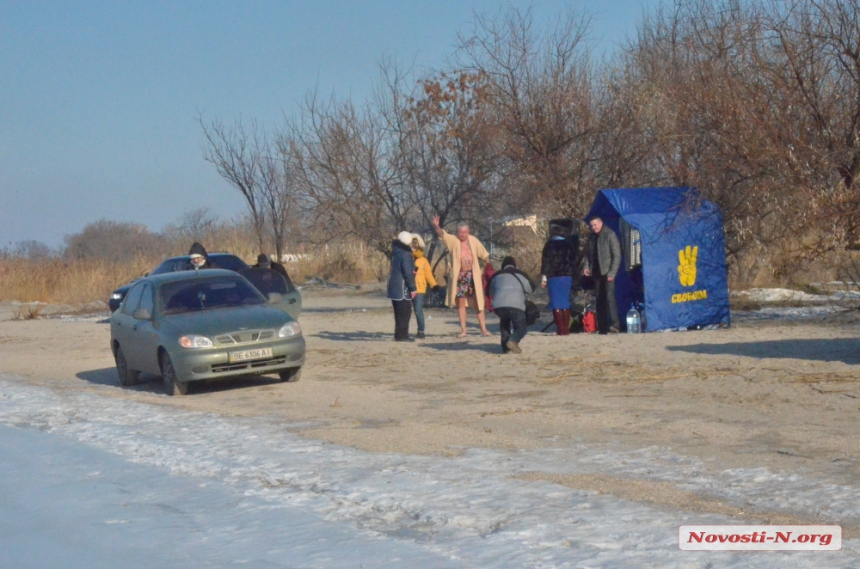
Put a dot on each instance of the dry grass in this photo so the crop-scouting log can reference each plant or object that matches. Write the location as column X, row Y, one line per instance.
column 29, row 311
column 60, row 281
column 57, row 281
column 354, row 264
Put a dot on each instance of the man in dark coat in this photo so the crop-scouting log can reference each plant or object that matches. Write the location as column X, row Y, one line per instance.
column 602, row 261
column 401, row 285
column 265, row 262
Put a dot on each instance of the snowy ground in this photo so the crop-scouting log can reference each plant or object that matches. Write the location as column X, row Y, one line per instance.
column 91, row 481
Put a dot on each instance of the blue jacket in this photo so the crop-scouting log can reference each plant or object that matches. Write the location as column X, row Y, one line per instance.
column 401, row 282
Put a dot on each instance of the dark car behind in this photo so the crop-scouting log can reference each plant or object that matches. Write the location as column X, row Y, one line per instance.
column 219, row 260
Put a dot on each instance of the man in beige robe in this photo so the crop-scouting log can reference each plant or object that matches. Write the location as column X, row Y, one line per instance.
column 465, row 287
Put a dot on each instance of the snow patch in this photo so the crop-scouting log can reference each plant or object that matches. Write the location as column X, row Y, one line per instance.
column 470, row 511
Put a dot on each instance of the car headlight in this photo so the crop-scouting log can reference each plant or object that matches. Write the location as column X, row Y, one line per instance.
column 291, row 329
column 192, row 341
column 116, row 296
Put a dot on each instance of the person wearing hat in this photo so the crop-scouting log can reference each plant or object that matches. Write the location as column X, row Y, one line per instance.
column 423, row 279
column 401, row 285
column 509, row 288
column 265, row 262
column 198, row 258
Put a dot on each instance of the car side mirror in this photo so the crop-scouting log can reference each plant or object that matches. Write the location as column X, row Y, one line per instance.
column 142, row 314
column 275, row 298
column 146, row 274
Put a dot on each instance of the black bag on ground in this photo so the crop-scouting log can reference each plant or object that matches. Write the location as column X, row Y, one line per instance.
column 532, row 312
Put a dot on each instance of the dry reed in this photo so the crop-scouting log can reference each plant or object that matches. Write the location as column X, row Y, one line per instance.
column 59, row 281
column 76, row 282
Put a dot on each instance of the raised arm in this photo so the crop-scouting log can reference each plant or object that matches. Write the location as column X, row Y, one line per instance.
column 437, row 227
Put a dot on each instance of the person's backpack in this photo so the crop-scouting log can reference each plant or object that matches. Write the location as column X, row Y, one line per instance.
column 589, row 322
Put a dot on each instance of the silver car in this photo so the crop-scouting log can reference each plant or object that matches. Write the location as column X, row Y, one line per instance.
column 197, row 325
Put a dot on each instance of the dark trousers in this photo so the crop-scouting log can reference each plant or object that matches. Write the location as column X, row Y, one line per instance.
column 607, row 311
column 512, row 324
column 418, row 304
column 402, row 314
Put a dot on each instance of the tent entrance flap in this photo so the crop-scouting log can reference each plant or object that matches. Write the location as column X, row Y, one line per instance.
column 682, row 281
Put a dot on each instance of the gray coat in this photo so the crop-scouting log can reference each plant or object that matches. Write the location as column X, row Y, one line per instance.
column 608, row 252
column 509, row 290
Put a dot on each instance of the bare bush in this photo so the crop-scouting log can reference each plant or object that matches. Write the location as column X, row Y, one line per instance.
column 113, row 242
column 28, row 249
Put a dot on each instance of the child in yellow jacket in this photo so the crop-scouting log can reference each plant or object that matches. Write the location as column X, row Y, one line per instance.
column 423, row 278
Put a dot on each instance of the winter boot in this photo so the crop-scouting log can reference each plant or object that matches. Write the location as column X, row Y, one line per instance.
column 565, row 321
column 559, row 326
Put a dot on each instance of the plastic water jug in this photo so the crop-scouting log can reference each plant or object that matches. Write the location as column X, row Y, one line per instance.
column 633, row 320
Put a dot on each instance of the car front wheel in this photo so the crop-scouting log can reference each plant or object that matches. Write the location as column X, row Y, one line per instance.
column 291, row 375
column 127, row 377
column 172, row 386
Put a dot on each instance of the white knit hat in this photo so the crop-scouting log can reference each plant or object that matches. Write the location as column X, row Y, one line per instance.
column 417, row 237
column 405, row 237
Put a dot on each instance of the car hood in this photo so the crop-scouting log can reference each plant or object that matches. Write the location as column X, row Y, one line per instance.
column 125, row 288
column 223, row 320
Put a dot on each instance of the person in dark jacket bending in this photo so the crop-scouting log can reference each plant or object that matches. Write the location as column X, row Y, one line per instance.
column 401, row 285
column 509, row 288
column 602, row 261
column 558, row 265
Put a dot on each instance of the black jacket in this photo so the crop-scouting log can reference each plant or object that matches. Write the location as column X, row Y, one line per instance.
column 558, row 259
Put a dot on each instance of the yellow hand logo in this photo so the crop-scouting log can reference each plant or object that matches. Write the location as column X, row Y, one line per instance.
column 687, row 268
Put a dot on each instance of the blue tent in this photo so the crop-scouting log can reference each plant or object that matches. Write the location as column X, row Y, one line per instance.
column 683, row 278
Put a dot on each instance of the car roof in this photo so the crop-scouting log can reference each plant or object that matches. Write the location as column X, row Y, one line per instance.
column 213, row 254
column 190, row 275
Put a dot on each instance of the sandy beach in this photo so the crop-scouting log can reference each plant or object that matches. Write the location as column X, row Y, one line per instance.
column 771, row 394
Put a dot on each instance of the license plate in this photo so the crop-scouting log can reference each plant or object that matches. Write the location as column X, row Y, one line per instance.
column 246, row 355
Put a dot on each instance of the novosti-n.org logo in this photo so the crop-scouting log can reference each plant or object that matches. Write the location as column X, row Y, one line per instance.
column 760, row 538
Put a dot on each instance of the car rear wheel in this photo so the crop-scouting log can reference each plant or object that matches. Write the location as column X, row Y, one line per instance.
column 291, row 375
column 172, row 386
column 127, row 377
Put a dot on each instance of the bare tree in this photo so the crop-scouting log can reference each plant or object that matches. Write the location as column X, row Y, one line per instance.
column 192, row 225
column 280, row 191
column 237, row 153
column 452, row 152
column 541, row 88
column 350, row 170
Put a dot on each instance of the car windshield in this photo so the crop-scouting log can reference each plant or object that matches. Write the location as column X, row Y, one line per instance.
column 207, row 294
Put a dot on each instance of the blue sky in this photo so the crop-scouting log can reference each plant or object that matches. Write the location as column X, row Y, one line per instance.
column 98, row 100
